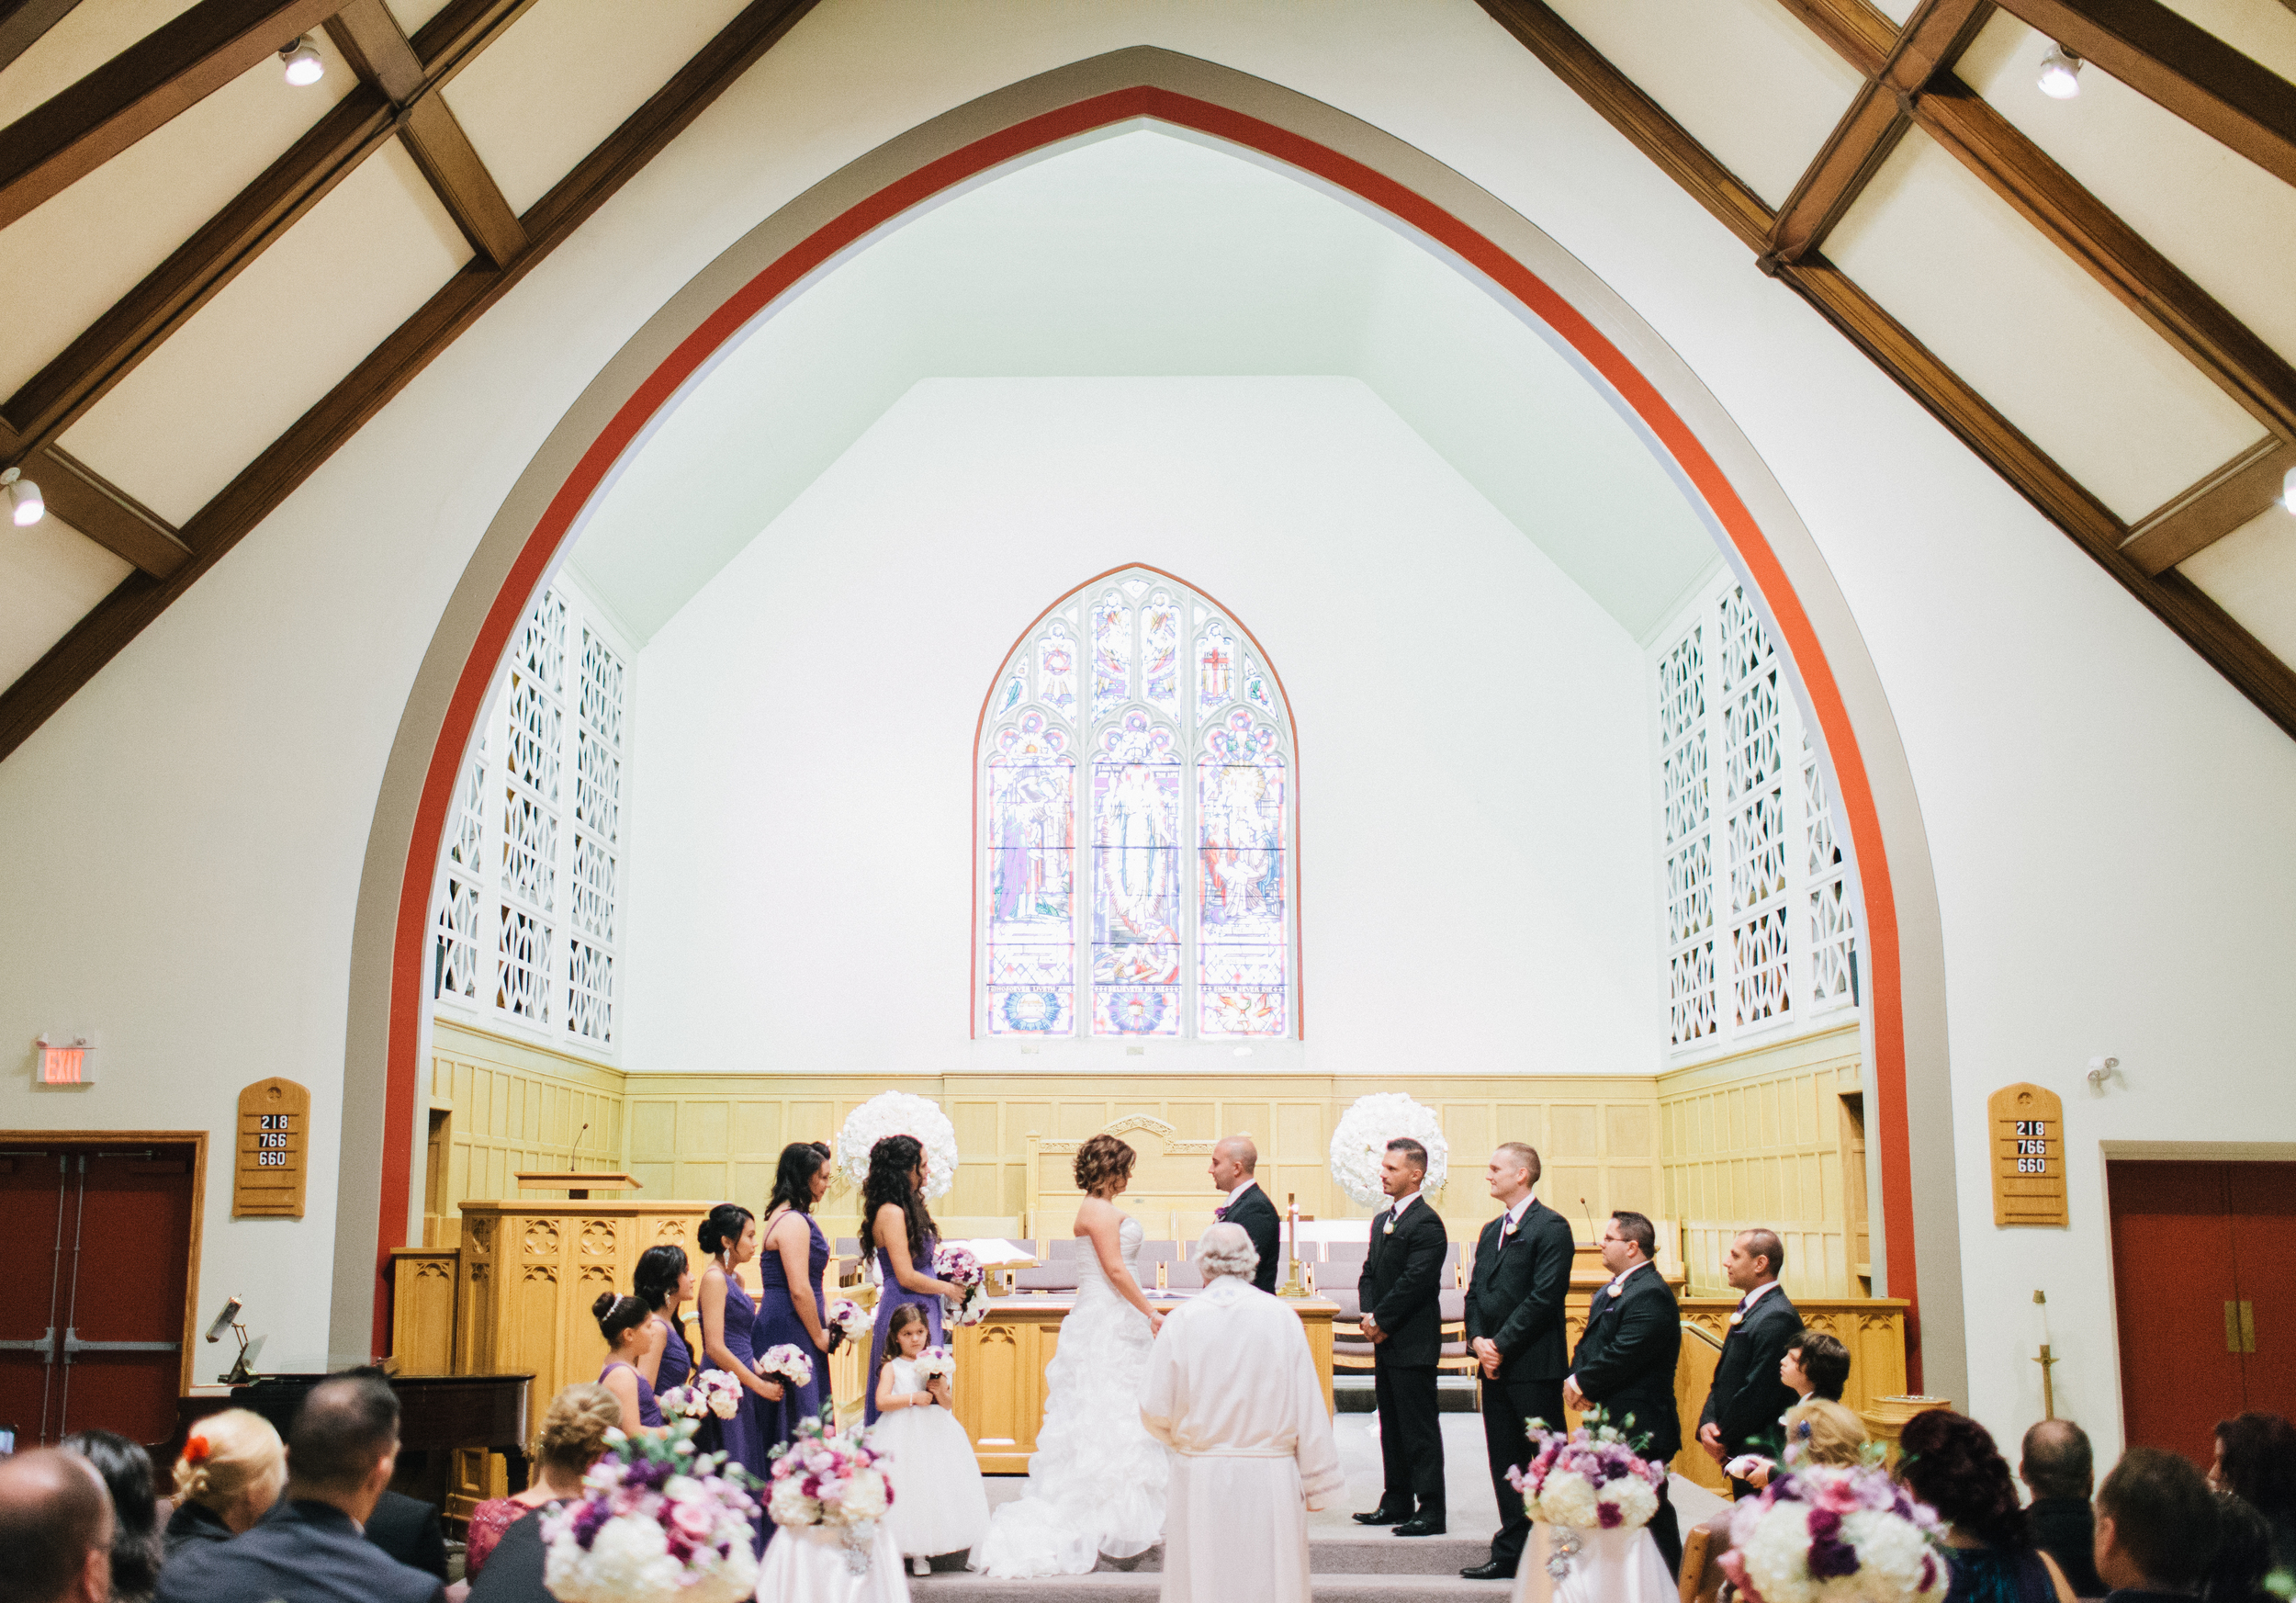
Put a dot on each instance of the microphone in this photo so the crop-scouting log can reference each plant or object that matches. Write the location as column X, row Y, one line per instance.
column 579, row 1134
column 1592, row 1234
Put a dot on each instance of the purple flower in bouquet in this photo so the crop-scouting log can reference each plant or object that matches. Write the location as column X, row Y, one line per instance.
column 962, row 1269
column 1591, row 1479
column 657, row 1523
column 1824, row 1533
column 785, row 1363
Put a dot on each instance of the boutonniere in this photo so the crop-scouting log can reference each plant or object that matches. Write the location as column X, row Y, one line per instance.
column 1509, row 1227
column 1737, row 1317
column 1390, row 1226
column 1617, row 1290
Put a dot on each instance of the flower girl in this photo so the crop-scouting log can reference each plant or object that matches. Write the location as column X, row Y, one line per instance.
column 938, row 1505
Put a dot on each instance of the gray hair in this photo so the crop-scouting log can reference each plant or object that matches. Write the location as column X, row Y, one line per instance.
column 1226, row 1250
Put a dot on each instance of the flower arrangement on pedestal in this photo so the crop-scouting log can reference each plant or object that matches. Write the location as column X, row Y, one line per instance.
column 899, row 1113
column 1360, row 1138
column 1828, row 1534
column 1590, row 1480
column 657, row 1523
column 831, row 1483
column 710, row 1391
column 958, row 1265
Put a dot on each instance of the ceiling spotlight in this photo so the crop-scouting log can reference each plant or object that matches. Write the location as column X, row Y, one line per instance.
column 25, row 506
column 2288, row 490
column 2060, row 74
column 304, row 63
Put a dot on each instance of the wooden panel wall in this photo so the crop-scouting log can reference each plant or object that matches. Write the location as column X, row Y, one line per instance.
column 1759, row 1137
column 511, row 1105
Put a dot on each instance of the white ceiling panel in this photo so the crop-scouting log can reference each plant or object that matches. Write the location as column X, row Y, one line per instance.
column 66, row 262
column 565, row 75
column 2066, row 363
column 276, row 340
column 2224, row 220
column 2251, row 573
column 51, row 575
column 1751, row 83
column 414, row 13
column 2264, row 29
column 88, row 35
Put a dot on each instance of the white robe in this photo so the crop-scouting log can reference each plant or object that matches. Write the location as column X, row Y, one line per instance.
column 1232, row 1391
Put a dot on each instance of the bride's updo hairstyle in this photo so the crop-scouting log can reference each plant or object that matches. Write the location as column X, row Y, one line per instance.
column 891, row 1169
column 1101, row 1159
column 722, row 1230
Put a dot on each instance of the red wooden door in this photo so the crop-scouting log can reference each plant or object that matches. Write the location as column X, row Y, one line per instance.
column 2203, row 1265
column 101, row 1244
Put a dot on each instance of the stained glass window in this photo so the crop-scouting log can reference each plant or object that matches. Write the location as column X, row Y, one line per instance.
column 1758, row 917
column 1174, row 918
column 526, row 927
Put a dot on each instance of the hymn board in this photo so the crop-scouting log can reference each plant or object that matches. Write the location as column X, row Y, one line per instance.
column 274, row 1143
column 2028, row 1131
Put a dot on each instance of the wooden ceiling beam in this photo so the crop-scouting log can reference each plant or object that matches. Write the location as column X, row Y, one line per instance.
column 2211, row 509
column 371, row 40
column 167, row 73
column 2181, row 66
column 22, row 22
column 99, row 509
column 269, row 480
column 1858, row 33
column 2192, row 614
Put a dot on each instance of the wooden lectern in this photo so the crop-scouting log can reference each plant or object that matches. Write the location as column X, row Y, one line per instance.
column 574, row 1184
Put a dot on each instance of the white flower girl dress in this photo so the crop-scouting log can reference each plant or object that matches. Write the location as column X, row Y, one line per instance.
column 939, row 1504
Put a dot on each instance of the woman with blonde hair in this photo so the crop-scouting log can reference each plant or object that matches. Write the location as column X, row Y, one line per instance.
column 233, row 1468
column 573, row 1438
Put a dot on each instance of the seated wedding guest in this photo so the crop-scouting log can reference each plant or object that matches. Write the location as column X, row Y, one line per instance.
column 127, row 1471
column 1949, row 1462
column 55, row 1528
column 573, row 1438
column 2241, row 1571
column 341, row 1452
column 2256, row 1461
column 2157, row 1527
column 1232, row 1391
column 2057, row 1467
column 406, row 1528
column 1814, row 1365
column 939, row 1504
column 232, row 1467
column 623, row 1322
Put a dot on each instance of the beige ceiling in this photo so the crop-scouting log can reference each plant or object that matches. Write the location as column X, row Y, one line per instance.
column 2115, row 405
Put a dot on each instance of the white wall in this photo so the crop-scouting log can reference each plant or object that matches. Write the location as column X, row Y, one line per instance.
column 1474, row 736
column 180, row 847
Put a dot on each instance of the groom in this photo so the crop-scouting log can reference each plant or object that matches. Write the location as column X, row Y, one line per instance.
column 1233, row 1160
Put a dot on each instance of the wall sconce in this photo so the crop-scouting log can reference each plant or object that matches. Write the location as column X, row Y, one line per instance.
column 72, row 1063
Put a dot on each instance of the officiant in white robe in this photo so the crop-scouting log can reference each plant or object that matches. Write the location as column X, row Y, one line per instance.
column 1232, row 1391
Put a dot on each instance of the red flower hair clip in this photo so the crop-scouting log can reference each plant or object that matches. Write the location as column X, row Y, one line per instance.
column 196, row 1451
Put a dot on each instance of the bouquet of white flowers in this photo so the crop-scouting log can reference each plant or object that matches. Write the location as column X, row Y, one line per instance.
column 709, row 1392
column 824, row 1478
column 786, row 1364
column 937, row 1363
column 1828, row 1534
column 960, row 1269
column 657, row 1523
column 1359, row 1142
column 1589, row 1480
column 850, row 1320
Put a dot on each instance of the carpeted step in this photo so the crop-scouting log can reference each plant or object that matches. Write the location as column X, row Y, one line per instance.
column 1364, row 1549
column 1116, row 1586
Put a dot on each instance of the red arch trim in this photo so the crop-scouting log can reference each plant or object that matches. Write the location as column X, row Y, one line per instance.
column 1400, row 201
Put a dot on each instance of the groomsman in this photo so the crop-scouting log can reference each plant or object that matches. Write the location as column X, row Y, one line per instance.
column 1626, row 1360
column 1514, row 1328
column 1403, row 1314
column 1234, row 1162
column 1748, row 1395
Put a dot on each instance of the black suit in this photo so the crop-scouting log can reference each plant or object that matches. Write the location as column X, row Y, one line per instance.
column 1626, row 1364
column 1747, row 1395
column 1255, row 1211
column 299, row 1553
column 1400, row 1290
column 1514, row 1299
column 408, row 1529
column 2065, row 1529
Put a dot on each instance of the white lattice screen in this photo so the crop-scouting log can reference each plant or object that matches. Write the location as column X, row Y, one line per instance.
column 524, row 926
column 1759, row 917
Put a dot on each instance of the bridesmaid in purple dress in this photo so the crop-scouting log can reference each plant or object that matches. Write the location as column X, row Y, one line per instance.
column 665, row 1284
column 791, row 1307
column 730, row 1237
column 895, row 1217
column 622, row 1321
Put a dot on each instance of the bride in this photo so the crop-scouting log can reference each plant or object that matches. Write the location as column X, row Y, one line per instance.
column 1096, row 1482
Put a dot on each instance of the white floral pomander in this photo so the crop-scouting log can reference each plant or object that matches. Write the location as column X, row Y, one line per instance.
column 899, row 1113
column 1361, row 1137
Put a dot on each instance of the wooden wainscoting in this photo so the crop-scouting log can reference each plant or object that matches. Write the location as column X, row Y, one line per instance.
column 1874, row 1329
column 511, row 1105
column 1768, row 1137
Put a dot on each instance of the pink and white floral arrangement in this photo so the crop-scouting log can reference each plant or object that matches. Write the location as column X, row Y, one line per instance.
column 709, row 1392
column 784, row 1362
column 962, row 1269
column 657, row 1523
column 849, row 1317
column 1589, row 1480
column 834, row 1482
column 1829, row 1534
column 937, row 1363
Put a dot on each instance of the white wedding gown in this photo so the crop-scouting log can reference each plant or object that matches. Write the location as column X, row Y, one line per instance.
column 1096, row 1479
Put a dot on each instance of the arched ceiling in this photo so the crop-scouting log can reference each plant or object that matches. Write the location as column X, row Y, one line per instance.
column 212, row 280
column 1145, row 252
